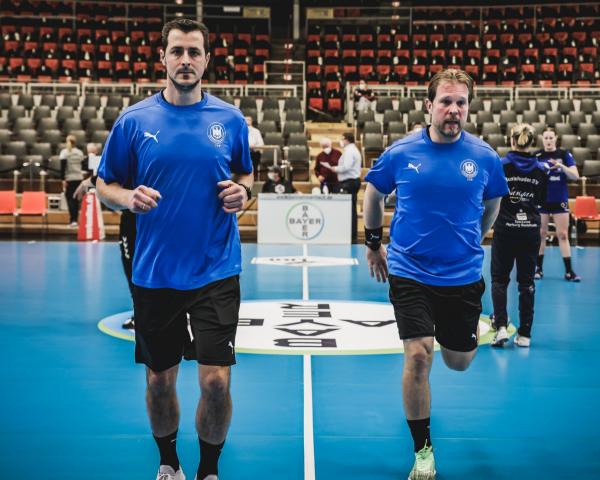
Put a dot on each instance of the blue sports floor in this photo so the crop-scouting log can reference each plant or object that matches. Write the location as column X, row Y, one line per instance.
column 72, row 399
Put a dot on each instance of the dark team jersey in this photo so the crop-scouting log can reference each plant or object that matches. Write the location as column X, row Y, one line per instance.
column 557, row 191
column 527, row 179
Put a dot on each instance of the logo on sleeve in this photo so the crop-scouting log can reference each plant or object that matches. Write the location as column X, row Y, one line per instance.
column 469, row 169
column 216, row 133
column 153, row 137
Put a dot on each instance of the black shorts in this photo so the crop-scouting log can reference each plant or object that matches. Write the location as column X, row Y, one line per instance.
column 162, row 337
column 557, row 207
column 450, row 314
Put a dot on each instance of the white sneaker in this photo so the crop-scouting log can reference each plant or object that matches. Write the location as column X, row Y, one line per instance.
column 166, row 472
column 523, row 342
column 501, row 337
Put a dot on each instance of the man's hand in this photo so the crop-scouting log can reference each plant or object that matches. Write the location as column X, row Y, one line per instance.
column 233, row 196
column 321, row 178
column 377, row 261
column 143, row 199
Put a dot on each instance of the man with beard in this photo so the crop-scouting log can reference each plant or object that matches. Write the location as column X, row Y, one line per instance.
column 448, row 187
column 185, row 153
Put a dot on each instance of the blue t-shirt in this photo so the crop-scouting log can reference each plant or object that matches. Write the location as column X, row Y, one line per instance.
column 440, row 190
column 557, row 190
column 188, row 241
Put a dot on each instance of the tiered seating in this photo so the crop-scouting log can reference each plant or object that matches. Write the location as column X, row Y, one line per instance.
column 506, row 50
column 577, row 123
column 102, row 49
column 281, row 124
column 32, row 130
column 239, row 53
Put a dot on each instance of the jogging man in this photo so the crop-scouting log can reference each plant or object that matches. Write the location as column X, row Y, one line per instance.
column 448, row 186
column 183, row 150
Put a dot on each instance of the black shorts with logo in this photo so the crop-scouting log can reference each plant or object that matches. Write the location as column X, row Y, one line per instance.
column 556, row 207
column 450, row 314
column 162, row 336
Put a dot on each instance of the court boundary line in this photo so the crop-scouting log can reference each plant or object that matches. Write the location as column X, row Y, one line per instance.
column 309, row 437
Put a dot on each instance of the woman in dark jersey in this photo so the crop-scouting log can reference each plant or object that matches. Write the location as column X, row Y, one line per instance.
column 517, row 233
column 562, row 169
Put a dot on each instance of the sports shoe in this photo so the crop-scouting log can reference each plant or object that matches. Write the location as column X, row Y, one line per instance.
column 501, row 337
column 572, row 277
column 523, row 342
column 424, row 467
column 208, row 477
column 538, row 274
column 166, row 472
column 129, row 324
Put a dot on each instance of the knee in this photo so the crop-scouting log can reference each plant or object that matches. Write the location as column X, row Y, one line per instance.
column 500, row 282
column 419, row 360
column 562, row 235
column 215, row 384
column 160, row 383
column 527, row 287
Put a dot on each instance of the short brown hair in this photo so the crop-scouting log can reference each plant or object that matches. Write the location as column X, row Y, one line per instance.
column 450, row 75
column 348, row 136
column 185, row 25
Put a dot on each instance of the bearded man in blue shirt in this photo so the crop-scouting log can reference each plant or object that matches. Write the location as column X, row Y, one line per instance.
column 448, row 187
column 185, row 154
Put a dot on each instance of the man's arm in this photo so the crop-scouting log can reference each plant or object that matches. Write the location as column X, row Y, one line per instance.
column 491, row 208
column 373, row 210
column 141, row 200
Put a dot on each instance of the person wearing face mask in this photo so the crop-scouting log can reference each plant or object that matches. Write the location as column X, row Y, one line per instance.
column 327, row 158
column 363, row 97
column 276, row 183
column 348, row 172
column 517, row 234
column 562, row 169
column 448, row 186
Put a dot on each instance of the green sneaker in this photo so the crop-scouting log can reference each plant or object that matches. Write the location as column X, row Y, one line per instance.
column 424, row 467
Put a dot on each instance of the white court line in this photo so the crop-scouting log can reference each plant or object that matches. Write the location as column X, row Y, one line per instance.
column 305, row 273
column 309, row 442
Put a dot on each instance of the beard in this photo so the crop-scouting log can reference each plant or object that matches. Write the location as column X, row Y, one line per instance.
column 450, row 130
column 183, row 87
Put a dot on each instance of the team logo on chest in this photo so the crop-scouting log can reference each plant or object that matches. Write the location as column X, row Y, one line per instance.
column 216, row 133
column 469, row 169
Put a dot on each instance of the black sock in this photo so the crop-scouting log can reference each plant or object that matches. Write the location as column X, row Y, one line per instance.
column 540, row 262
column 568, row 268
column 168, row 450
column 209, row 459
column 419, row 429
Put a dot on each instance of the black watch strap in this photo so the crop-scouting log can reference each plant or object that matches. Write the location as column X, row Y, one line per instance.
column 248, row 190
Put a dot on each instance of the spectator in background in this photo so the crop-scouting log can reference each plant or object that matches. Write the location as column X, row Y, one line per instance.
column 92, row 159
column 562, row 169
column 276, row 183
column 71, row 172
column 363, row 97
column 329, row 157
column 255, row 139
column 348, row 172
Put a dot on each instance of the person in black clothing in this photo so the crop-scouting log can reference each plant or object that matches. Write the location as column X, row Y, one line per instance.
column 517, row 234
column 276, row 183
column 127, row 234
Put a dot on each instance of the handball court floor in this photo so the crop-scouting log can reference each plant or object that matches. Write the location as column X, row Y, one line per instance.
column 72, row 399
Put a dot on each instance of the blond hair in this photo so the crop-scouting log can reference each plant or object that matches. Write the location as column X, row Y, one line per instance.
column 523, row 134
column 452, row 75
